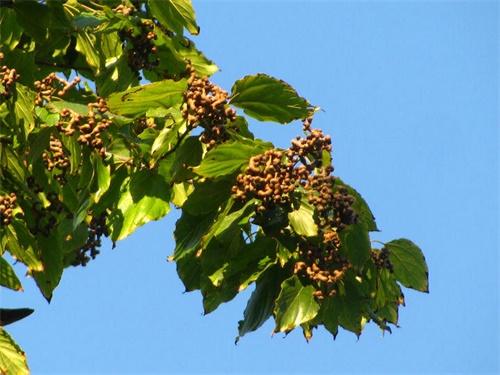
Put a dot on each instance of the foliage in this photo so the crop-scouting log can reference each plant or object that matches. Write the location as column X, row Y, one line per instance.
column 108, row 120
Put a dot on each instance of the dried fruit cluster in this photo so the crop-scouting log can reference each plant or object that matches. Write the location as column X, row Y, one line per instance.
column 51, row 85
column 205, row 104
column 381, row 259
column 90, row 127
column 97, row 229
column 270, row 178
column 7, row 205
column 8, row 79
column 55, row 157
column 141, row 46
column 275, row 175
column 322, row 265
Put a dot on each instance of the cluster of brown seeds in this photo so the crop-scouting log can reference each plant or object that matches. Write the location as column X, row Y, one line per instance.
column 268, row 178
column 141, row 49
column 56, row 158
column 97, row 229
column 143, row 123
column 8, row 78
column 323, row 266
column 52, row 85
column 381, row 259
column 273, row 176
column 7, row 205
column 124, row 9
column 312, row 146
column 89, row 127
column 205, row 104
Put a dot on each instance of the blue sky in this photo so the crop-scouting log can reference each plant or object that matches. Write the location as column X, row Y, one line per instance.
column 410, row 97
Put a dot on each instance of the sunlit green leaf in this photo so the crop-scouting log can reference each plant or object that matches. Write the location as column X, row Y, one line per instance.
column 138, row 100
column 175, row 14
column 227, row 158
column 410, row 268
column 8, row 277
column 295, row 305
column 146, row 199
column 269, row 99
column 12, row 358
column 302, row 220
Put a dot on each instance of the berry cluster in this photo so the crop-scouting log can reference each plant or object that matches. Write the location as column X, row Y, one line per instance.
column 56, row 158
column 143, row 123
column 268, row 178
column 124, row 9
column 90, row 132
column 323, row 266
column 7, row 205
column 141, row 46
column 8, row 78
column 205, row 104
column 52, row 85
column 90, row 127
column 97, row 229
column 381, row 259
column 273, row 176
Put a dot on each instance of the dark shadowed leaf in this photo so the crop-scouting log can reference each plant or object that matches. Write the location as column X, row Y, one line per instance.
column 360, row 206
column 9, row 316
column 261, row 303
column 355, row 244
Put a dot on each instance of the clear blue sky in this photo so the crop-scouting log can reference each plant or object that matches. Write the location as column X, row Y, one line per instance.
column 410, row 97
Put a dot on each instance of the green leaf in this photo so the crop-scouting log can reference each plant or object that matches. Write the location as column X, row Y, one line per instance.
column 52, row 258
column 10, row 31
column 21, row 245
column 12, row 358
column 25, row 108
column 207, row 196
column 175, row 15
column 261, row 303
column 85, row 19
column 269, row 99
column 8, row 277
column 146, row 199
column 302, row 220
column 329, row 314
column 136, row 101
column 360, row 206
column 103, row 178
column 408, row 261
column 246, row 264
column 355, row 244
column 228, row 158
column 9, row 316
column 189, row 231
column 86, row 45
column 295, row 305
